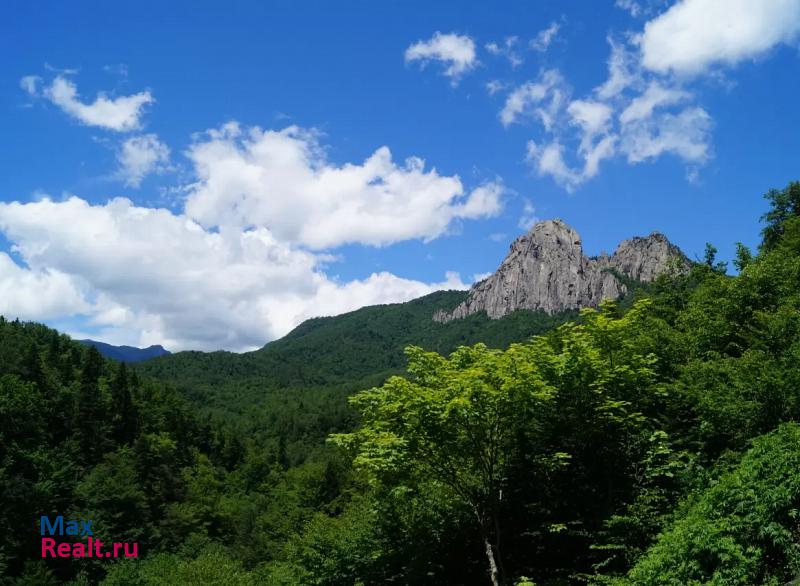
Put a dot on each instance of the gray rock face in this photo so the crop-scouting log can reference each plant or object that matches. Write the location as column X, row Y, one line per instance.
column 644, row 258
column 547, row 270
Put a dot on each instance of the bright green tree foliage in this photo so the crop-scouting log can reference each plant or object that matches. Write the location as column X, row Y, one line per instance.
column 461, row 423
column 742, row 530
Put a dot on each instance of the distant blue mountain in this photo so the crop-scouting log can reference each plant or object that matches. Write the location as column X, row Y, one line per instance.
column 126, row 353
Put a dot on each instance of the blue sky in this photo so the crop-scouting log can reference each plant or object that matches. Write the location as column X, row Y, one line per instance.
column 262, row 149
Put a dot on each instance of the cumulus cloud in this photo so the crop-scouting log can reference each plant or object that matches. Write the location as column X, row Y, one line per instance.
column 334, row 298
column 140, row 156
column 283, row 181
column 38, row 293
column 121, row 114
column 153, row 276
column 696, row 34
column 456, row 52
column 544, row 39
column 246, row 260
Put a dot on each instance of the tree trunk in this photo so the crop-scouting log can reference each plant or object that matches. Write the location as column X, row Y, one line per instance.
column 497, row 551
column 490, row 528
column 494, row 573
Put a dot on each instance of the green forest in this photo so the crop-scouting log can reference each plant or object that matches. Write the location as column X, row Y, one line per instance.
column 652, row 440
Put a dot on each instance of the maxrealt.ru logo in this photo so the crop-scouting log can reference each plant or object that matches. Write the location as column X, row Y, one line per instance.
column 80, row 528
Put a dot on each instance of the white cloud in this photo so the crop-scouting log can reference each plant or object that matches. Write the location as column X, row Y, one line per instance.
column 152, row 276
column 590, row 115
column 236, row 267
column 591, row 120
column 61, row 70
column 643, row 131
column 282, row 180
column 695, row 34
column 596, row 141
column 507, row 49
column 493, row 86
column 686, row 134
column 634, row 114
column 121, row 114
column 645, row 108
column 457, row 52
column 594, row 154
column 641, row 8
column 30, row 84
column 38, row 294
column 549, row 160
column 484, row 201
column 655, row 96
column 140, row 156
column 623, row 70
column 333, row 298
column 631, row 6
column 545, row 38
column 119, row 69
column 528, row 217
column 542, row 100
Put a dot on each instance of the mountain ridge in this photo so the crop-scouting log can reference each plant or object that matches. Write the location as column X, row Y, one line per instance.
column 547, row 270
column 126, row 353
column 361, row 348
column 353, row 350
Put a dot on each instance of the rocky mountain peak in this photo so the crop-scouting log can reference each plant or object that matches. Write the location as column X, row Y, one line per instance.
column 644, row 258
column 553, row 232
column 547, row 270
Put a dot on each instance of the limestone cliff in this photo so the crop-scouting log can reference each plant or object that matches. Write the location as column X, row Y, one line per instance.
column 547, row 270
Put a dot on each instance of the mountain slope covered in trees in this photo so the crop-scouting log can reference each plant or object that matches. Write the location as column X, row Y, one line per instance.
column 346, row 352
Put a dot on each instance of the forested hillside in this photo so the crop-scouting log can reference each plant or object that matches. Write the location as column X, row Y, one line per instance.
column 84, row 436
column 344, row 350
column 334, row 356
column 647, row 442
